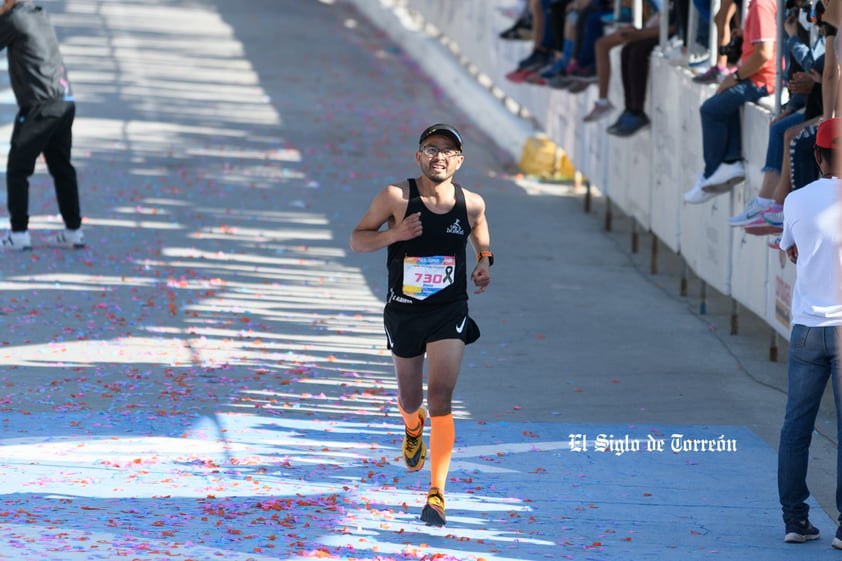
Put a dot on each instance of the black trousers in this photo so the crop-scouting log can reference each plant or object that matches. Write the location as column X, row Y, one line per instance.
column 43, row 129
column 634, row 65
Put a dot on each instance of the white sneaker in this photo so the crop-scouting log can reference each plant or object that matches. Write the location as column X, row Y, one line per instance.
column 71, row 239
column 753, row 209
column 17, row 241
column 599, row 111
column 696, row 195
column 725, row 177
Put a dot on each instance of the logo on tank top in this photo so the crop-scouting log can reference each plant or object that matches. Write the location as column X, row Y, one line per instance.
column 456, row 228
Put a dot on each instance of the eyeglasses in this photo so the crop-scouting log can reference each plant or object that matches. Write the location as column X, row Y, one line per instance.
column 433, row 151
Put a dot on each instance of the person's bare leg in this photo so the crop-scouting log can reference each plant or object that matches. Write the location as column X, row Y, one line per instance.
column 722, row 19
column 768, row 184
column 602, row 51
column 444, row 360
column 538, row 23
column 410, row 376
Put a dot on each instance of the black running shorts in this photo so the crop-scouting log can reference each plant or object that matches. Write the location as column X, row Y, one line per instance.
column 408, row 330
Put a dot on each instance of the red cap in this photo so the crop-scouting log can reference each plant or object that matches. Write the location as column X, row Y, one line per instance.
column 829, row 134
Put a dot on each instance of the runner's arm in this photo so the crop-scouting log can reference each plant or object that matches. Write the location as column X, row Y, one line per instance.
column 481, row 241
column 368, row 236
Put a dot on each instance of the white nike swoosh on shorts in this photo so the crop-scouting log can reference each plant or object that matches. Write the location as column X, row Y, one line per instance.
column 461, row 326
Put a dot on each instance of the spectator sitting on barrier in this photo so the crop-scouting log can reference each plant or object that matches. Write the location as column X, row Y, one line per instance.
column 720, row 113
column 778, row 182
column 634, row 67
column 725, row 18
column 805, row 104
column 811, row 241
column 564, row 16
column 798, row 168
column 634, row 60
column 589, row 28
column 543, row 44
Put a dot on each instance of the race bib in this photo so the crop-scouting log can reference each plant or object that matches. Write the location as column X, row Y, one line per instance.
column 424, row 276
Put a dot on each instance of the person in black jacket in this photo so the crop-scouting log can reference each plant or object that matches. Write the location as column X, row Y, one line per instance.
column 43, row 124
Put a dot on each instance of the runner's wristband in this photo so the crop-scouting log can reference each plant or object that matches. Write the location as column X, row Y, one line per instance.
column 488, row 254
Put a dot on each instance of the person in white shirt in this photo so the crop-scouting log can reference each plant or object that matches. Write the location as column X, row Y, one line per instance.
column 812, row 239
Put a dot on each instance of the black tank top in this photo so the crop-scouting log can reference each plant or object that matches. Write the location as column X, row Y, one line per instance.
column 430, row 269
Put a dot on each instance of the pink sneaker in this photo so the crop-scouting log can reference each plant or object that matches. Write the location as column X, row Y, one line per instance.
column 759, row 227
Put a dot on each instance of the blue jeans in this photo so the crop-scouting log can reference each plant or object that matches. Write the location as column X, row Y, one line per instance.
column 721, row 124
column 813, row 359
column 775, row 147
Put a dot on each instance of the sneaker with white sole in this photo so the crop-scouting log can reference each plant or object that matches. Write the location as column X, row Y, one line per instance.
column 696, row 195
column 17, row 241
column 800, row 531
column 71, row 239
column 599, row 111
column 774, row 215
column 712, row 75
column 759, row 227
column 753, row 209
column 725, row 177
column 837, row 539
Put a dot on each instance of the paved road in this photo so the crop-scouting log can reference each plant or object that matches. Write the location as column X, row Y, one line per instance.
column 208, row 380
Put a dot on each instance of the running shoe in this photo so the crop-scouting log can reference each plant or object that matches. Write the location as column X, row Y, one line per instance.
column 71, row 239
column 630, row 124
column 712, row 75
column 558, row 67
column 433, row 511
column 618, row 122
column 724, row 177
column 599, row 111
column 577, row 86
column 800, row 531
column 752, row 211
column 774, row 242
column 774, row 215
column 696, row 195
column 759, row 227
column 837, row 539
column 414, row 450
column 16, row 241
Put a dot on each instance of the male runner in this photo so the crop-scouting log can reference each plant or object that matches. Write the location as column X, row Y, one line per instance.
column 430, row 221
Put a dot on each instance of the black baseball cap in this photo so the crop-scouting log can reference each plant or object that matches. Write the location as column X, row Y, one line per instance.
column 444, row 130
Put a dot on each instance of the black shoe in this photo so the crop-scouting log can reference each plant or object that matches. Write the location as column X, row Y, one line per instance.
column 521, row 29
column 517, row 33
column 800, row 531
column 629, row 125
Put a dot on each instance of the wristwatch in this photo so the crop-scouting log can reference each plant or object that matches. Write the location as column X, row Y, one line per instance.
column 488, row 254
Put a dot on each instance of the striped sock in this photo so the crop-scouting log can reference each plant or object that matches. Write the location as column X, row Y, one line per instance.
column 411, row 420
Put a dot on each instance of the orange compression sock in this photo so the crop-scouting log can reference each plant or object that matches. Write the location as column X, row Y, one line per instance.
column 442, row 439
column 411, row 420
